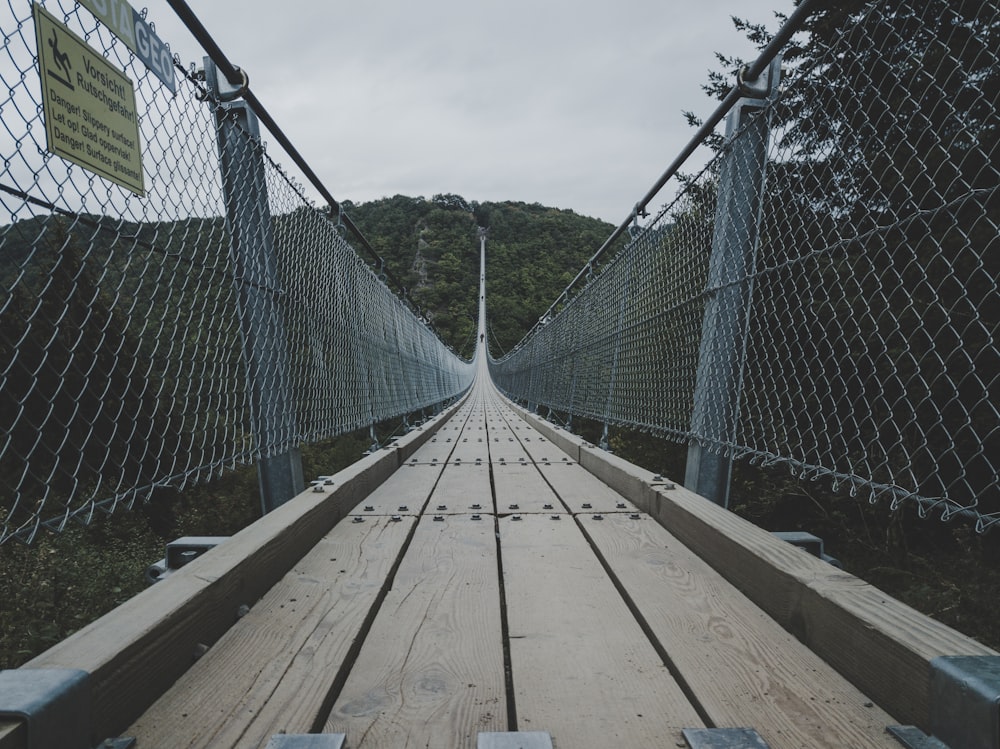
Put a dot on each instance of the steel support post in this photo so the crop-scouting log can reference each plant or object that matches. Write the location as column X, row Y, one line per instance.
column 262, row 325
column 727, row 296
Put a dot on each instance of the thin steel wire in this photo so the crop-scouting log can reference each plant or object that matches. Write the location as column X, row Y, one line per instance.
column 121, row 350
column 870, row 352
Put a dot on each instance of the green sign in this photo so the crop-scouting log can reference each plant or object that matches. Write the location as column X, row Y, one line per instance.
column 90, row 113
column 129, row 26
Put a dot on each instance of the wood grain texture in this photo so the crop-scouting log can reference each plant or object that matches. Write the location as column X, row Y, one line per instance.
column 880, row 644
column 137, row 651
column 408, row 487
column 462, row 486
column 743, row 667
column 435, row 450
column 431, row 670
column 567, row 442
column 582, row 667
column 578, row 487
column 505, row 446
column 541, row 449
column 524, row 486
column 273, row 671
column 471, row 448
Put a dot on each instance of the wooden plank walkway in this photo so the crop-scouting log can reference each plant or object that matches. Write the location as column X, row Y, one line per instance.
column 493, row 584
column 490, row 573
column 480, row 577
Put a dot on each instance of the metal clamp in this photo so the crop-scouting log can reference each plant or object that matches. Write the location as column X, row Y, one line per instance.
column 233, row 91
column 55, row 703
column 764, row 85
column 514, row 740
column 723, row 738
column 964, row 705
column 307, row 741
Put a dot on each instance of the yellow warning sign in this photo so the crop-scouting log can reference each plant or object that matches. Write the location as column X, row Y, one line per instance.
column 90, row 113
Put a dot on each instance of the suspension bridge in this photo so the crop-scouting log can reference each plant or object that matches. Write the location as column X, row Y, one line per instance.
column 822, row 295
column 479, row 582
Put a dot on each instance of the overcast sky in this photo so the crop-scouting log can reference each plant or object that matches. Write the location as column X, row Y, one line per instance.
column 570, row 103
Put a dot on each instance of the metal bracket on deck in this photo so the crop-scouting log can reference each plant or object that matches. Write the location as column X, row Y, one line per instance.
column 913, row 738
column 723, row 738
column 180, row 552
column 964, row 705
column 307, row 741
column 514, row 740
column 55, row 703
column 808, row 543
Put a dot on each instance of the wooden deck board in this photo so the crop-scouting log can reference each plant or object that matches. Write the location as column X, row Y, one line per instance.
column 273, row 670
column 435, row 450
column 577, row 487
column 409, row 488
column 462, row 486
column 582, row 668
column 541, row 450
column 471, row 446
column 744, row 669
column 504, row 445
column 431, row 670
column 523, row 485
column 619, row 635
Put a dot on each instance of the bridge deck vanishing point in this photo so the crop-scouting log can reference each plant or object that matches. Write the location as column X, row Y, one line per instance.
column 488, row 581
column 491, row 551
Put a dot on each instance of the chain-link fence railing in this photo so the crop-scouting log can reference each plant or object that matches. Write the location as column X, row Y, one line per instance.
column 124, row 320
column 825, row 293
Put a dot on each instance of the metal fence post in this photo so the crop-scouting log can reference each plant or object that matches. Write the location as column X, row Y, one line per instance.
column 248, row 218
column 728, row 291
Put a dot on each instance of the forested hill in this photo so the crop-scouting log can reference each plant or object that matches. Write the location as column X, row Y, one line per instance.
column 431, row 245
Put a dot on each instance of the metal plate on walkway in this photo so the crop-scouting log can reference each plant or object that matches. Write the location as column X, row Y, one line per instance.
column 514, row 740
column 54, row 702
column 307, row 741
column 913, row 738
column 723, row 738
